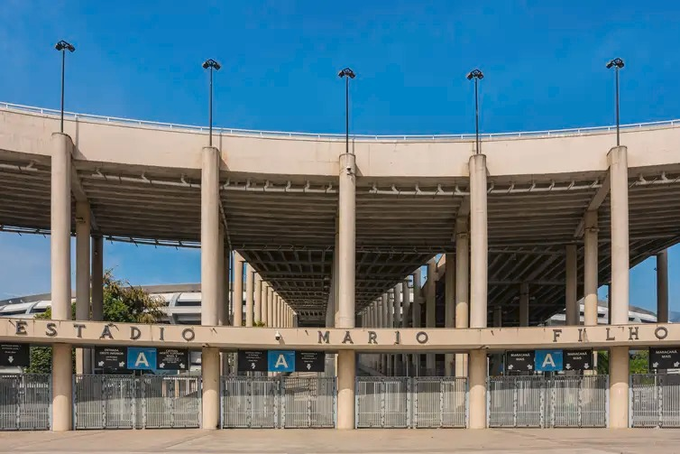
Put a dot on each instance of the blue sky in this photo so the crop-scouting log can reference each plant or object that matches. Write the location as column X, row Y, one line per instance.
column 543, row 61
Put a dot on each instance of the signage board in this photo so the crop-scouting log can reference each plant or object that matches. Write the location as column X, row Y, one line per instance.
column 110, row 358
column 141, row 358
column 519, row 361
column 548, row 360
column 281, row 361
column 664, row 358
column 15, row 355
column 172, row 359
column 309, row 361
column 578, row 359
column 252, row 361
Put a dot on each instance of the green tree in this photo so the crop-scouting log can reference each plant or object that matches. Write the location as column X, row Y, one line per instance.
column 123, row 303
column 639, row 362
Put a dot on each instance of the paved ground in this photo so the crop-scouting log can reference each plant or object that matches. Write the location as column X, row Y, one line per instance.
column 507, row 441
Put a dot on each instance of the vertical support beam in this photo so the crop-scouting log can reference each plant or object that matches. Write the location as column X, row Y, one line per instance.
column 249, row 295
column 462, row 287
column 417, row 314
column 265, row 296
column 257, row 315
column 430, row 309
column 662, row 286
column 618, row 356
column 221, row 313
column 97, row 278
column 405, row 321
column 449, row 306
column 83, row 226
column 346, row 286
column 384, row 324
column 524, row 304
column 590, row 269
column 226, row 287
column 270, row 308
column 238, row 290
column 479, row 244
column 477, row 385
column 390, row 325
column 572, row 310
column 60, row 271
column 210, row 257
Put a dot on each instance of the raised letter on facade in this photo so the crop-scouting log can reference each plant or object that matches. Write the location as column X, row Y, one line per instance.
column 324, row 337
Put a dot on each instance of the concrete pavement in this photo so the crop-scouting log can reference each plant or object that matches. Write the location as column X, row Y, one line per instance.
column 507, row 441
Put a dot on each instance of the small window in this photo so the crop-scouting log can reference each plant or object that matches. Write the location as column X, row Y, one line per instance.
column 187, row 303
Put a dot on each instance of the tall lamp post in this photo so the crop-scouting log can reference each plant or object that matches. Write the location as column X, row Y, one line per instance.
column 211, row 64
column 348, row 74
column 617, row 64
column 477, row 75
column 62, row 46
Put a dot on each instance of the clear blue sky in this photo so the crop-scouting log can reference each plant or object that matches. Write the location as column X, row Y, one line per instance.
column 543, row 61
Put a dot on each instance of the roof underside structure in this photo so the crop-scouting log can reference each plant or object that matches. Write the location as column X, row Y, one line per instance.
column 285, row 227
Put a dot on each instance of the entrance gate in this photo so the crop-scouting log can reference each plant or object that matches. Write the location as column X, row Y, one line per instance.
column 655, row 400
column 278, row 402
column 536, row 401
column 403, row 402
column 126, row 402
column 25, row 402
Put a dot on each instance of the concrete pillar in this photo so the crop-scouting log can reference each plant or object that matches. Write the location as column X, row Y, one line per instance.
column 97, row 278
column 618, row 356
column 83, row 355
column 572, row 315
column 226, row 287
column 390, row 324
column 238, row 290
column 263, row 304
column 210, row 257
column 477, row 384
column 384, row 324
column 346, row 382
column 430, row 309
column 270, row 308
column 662, row 286
column 257, row 310
column 249, row 295
column 590, row 269
column 60, row 271
column 449, row 306
column 417, row 303
column 524, row 304
column 462, row 287
column 220, row 277
column 479, row 245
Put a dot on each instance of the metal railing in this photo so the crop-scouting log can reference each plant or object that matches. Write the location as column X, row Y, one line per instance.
column 25, row 402
column 278, row 402
column 538, row 401
column 439, row 402
column 312, row 136
column 126, row 402
column 655, row 400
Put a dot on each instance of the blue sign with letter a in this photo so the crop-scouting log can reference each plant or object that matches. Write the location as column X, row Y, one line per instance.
column 281, row 361
column 141, row 358
column 548, row 360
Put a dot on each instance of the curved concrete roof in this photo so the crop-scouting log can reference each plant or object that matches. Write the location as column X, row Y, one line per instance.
column 279, row 197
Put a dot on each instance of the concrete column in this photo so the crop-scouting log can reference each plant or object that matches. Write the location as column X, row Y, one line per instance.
column 462, row 287
column 249, row 295
column 270, row 308
column 430, row 308
column 385, row 323
column 60, row 260
column 226, row 287
column 449, row 306
column 210, row 368
column 346, row 381
column 390, row 324
column 417, row 302
column 590, row 269
column 572, row 315
column 477, row 394
column 662, row 286
column 83, row 355
column 524, row 304
column 97, row 278
column 257, row 316
column 238, row 289
column 479, row 245
column 263, row 304
column 618, row 356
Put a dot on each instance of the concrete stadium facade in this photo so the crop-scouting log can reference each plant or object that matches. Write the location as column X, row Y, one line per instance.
column 337, row 236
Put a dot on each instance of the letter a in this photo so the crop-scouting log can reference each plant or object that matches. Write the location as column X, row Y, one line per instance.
column 281, row 361
column 548, row 360
column 141, row 359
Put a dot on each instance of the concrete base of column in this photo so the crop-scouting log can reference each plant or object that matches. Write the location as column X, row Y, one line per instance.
column 62, row 388
column 346, row 383
column 477, row 365
column 619, row 366
column 210, row 371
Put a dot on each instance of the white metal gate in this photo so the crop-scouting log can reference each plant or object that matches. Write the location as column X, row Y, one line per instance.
column 25, row 402
column 383, row 402
column 308, row 402
column 439, row 402
column 655, row 400
column 127, row 402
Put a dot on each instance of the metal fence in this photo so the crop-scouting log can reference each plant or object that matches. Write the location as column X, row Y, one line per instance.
column 126, row 402
column 25, row 402
column 655, row 400
column 538, row 401
column 278, row 402
column 403, row 402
